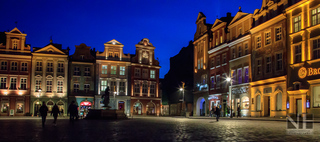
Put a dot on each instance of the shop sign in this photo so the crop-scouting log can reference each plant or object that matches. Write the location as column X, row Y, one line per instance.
column 85, row 104
column 303, row 72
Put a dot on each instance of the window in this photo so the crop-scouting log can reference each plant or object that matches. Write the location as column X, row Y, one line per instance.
column 268, row 64
column 152, row 74
column 87, row 71
column 315, row 16
column 19, row 108
column 201, row 63
column 86, row 88
column 14, row 66
column 76, row 71
column 239, row 51
column 24, row 66
column 258, row 103
column 110, row 54
column 278, row 33
column 152, row 89
column 50, row 67
column 233, row 53
column 13, row 83
column 246, row 75
column 259, row 66
column 137, row 87
column 23, row 84
column 122, row 86
column 60, row 86
column 240, row 31
column 198, row 63
column 145, row 73
column 279, row 101
column 76, row 87
column 224, row 58
column 122, row 70
column 116, row 55
column 49, row 86
column 297, row 23
column 221, row 40
column 104, row 69
column 113, row 86
column 217, row 41
column 279, row 61
column 5, row 108
column 60, row 68
column 246, row 49
column 245, row 103
column 113, row 70
column 297, row 55
column 38, row 87
column 4, row 65
column 103, row 85
column 234, row 76
column 218, row 82
column 268, row 38
column 258, row 42
column 3, row 82
column 212, row 62
column 144, row 88
column 218, row 60
column 212, row 82
column 39, row 66
column 316, row 49
column 239, row 76
column 137, row 72
column 316, row 96
column 14, row 44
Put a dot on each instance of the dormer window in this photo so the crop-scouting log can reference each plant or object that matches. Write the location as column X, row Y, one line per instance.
column 110, row 54
column 15, row 44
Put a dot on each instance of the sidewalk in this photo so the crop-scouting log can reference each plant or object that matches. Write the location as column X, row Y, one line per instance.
column 316, row 120
column 29, row 117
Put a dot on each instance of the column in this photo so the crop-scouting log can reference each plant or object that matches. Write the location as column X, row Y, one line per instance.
column 304, row 101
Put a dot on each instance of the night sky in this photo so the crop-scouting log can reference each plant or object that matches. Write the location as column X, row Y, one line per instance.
column 169, row 24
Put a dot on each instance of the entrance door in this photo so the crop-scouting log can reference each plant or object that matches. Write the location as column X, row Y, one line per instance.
column 36, row 109
column 121, row 105
column 266, row 106
column 299, row 107
column 203, row 112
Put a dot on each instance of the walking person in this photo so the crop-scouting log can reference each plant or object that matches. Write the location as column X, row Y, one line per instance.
column 73, row 111
column 43, row 112
column 217, row 113
column 61, row 112
column 55, row 111
column 238, row 109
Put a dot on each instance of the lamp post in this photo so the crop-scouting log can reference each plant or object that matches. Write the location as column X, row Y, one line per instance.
column 114, row 96
column 229, row 79
column 183, row 100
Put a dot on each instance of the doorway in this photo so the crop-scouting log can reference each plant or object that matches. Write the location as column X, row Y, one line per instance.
column 121, row 105
column 203, row 110
column 36, row 109
column 267, row 106
column 299, row 107
column 137, row 109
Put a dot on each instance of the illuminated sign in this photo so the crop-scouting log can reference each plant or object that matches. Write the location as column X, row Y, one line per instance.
column 303, row 72
column 85, row 104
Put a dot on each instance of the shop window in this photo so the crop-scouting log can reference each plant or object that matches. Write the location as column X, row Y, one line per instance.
column 297, row 23
column 279, row 101
column 50, row 105
column 315, row 16
column 19, row 108
column 258, row 103
column 245, row 103
column 316, row 96
column 5, row 108
column 4, row 65
column 104, row 69
column 316, row 49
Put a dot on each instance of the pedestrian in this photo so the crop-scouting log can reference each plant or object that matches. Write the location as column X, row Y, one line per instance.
column 73, row 111
column 238, row 109
column 55, row 111
column 43, row 112
column 217, row 113
column 61, row 112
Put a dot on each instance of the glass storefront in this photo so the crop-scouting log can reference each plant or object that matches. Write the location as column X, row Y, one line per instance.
column 5, row 107
column 19, row 108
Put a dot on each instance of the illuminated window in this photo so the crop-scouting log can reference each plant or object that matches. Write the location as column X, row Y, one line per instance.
column 278, row 33
column 137, row 72
column 13, row 83
column 221, row 40
column 14, row 66
column 76, row 87
column 316, row 49
column 104, row 69
column 224, row 58
column 297, row 23
column 152, row 89
column 279, row 101
column 258, row 103
column 239, row 51
column 152, row 74
column 145, row 73
column 233, row 76
column 218, row 60
column 279, row 61
column 212, row 62
column 19, row 108
column 50, row 67
column 113, row 70
column 3, row 82
column 239, row 76
column 212, row 82
column 258, row 42
column 201, row 63
column 103, row 85
column 268, row 64
column 315, row 16
column 60, row 86
column 268, row 38
column 49, row 86
column 218, row 81
column 60, row 68
column 39, row 66
column 113, row 86
column 122, row 70
column 87, row 71
column 4, row 65
column 245, row 103
column 246, row 75
column 246, row 49
column 37, row 85
column 137, row 87
column 76, row 71
column 23, row 84
column 297, row 52
column 122, row 86
column 259, row 66
column 198, row 63
column 144, row 88
column 217, row 41
column 86, row 88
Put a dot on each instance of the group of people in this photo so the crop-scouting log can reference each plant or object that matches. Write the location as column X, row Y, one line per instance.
column 216, row 110
column 73, row 110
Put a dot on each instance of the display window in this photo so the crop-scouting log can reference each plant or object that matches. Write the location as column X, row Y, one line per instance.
column 245, row 103
column 5, row 107
column 19, row 108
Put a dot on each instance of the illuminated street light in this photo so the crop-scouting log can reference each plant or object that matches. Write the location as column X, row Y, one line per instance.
column 183, row 100
column 230, row 95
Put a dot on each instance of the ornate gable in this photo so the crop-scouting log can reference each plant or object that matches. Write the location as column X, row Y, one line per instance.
column 50, row 49
column 238, row 16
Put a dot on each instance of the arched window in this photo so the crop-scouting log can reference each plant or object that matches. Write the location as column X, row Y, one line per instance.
column 279, row 101
column 258, row 103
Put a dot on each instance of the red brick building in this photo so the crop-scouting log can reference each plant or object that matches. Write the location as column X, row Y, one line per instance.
column 145, row 97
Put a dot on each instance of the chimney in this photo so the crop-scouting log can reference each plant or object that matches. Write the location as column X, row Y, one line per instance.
column 228, row 14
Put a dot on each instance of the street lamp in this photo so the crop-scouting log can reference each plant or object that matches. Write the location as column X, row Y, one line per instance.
column 114, row 96
column 230, row 95
column 183, row 100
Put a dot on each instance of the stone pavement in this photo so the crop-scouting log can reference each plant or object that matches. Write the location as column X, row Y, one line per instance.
column 284, row 119
column 149, row 129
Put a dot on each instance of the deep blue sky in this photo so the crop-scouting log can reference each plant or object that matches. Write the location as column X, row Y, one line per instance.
column 169, row 24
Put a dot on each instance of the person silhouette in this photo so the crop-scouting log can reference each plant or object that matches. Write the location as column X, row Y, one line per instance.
column 43, row 112
column 106, row 98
